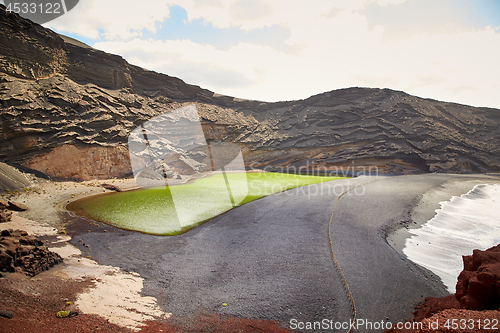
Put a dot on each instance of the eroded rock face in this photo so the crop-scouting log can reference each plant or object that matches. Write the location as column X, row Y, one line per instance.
column 478, row 286
column 71, row 162
column 55, row 95
column 21, row 252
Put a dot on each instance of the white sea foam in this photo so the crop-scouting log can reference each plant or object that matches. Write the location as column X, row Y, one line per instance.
column 465, row 223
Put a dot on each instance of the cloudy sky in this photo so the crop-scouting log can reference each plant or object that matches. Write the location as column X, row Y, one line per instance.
column 447, row 50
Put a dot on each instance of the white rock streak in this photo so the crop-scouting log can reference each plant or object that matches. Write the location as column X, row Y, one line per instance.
column 116, row 297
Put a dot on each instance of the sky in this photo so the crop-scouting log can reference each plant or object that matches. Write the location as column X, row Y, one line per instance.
column 278, row 50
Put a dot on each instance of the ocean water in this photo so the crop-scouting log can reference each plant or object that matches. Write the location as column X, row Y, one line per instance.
column 462, row 224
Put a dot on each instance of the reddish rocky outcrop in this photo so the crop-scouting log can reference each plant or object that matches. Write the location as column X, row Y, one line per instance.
column 477, row 291
column 71, row 162
column 24, row 253
column 433, row 305
column 478, row 286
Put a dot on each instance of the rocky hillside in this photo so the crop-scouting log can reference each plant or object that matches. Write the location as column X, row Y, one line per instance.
column 67, row 110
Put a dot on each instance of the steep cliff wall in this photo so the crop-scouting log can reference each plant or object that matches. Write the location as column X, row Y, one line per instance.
column 60, row 100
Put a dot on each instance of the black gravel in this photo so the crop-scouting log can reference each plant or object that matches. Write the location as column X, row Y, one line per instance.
column 270, row 259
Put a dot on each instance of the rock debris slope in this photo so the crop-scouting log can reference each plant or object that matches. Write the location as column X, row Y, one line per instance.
column 67, row 110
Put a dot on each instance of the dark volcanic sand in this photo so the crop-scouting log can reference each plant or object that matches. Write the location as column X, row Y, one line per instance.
column 270, row 259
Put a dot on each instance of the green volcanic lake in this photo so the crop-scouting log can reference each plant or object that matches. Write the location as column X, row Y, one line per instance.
column 171, row 210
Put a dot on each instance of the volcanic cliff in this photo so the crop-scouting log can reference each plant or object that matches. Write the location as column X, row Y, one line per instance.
column 67, row 110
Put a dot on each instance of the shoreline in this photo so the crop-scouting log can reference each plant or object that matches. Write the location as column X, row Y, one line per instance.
column 462, row 224
column 429, row 202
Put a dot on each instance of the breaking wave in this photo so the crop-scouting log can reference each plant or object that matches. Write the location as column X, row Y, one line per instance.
column 462, row 224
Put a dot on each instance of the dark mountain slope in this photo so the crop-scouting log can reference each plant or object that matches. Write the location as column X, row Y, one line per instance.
column 67, row 110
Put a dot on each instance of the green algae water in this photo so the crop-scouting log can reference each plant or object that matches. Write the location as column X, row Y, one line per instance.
column 171, row 210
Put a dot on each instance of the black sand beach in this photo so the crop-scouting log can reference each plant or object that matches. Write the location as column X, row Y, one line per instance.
column 270, row 259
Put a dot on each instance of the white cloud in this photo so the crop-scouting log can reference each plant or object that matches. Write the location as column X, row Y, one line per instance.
column 215, row 70
column 338, row 48
column 111, row 19
column 390, row 2
column 250, row 10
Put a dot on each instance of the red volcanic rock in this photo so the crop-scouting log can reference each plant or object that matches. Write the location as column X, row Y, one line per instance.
column 478, row 286
column 71, row 162
column 433, row 305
